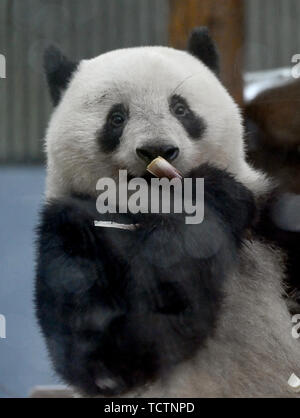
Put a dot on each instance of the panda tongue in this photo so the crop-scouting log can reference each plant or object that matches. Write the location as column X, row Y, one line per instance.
column 162, row 168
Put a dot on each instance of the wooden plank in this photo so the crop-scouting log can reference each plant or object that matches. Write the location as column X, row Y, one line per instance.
column 51, row 392
column 225, row 20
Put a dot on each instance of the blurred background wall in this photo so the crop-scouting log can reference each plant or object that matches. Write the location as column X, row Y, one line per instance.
column 82, row 29
column 252, row 35
column 272, row 33
column 261, row 35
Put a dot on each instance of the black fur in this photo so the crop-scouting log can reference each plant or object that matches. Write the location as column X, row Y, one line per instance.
column 192, row 123
column 109, row 136
column 202, row 46
column 126, row 306
column 283, row 165
column 59, row 71
column 288, row 241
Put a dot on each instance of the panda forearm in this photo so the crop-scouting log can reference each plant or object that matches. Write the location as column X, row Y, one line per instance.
column 71, row 246
column 232, row 201
column 130, row 296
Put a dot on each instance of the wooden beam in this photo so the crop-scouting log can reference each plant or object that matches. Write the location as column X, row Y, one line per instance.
column 51, row 392
column 225, row 20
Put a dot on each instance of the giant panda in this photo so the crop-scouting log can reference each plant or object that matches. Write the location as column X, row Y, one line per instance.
column 167, row 309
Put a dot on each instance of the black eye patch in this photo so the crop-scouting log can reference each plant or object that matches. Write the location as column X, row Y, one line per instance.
column 192, row 123
column 109, row 136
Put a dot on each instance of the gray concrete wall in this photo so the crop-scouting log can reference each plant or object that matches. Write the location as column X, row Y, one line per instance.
column 86, row 28
column 82, row 29
column 272, row 33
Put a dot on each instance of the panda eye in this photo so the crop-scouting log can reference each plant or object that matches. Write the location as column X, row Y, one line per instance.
column 117, row 119
column 180, row 110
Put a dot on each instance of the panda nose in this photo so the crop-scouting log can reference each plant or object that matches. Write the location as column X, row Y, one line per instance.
column 149, row 152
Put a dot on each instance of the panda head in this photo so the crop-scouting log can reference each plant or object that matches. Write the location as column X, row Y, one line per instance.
column 126, row 107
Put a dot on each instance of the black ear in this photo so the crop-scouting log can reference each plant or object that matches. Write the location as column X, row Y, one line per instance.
column 59, row 71
column 202, row 46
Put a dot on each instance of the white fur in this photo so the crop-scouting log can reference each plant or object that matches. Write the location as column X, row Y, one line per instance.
column 252, row 353
column 143, row 79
